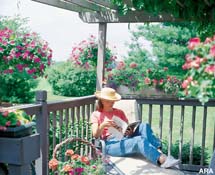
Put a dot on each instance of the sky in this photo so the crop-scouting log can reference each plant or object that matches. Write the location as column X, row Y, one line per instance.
column 62, row 29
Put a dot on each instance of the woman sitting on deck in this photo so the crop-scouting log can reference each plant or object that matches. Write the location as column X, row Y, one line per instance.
column 141, row 140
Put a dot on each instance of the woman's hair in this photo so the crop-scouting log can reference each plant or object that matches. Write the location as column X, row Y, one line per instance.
column 99, row 105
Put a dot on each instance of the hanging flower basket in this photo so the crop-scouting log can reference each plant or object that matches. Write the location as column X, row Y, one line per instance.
column 75, row 163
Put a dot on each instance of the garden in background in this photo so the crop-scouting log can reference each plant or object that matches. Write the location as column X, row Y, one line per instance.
column 181, row 64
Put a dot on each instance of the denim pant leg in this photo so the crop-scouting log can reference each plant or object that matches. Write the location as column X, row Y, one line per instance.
column 128, row 146
column 144, row 129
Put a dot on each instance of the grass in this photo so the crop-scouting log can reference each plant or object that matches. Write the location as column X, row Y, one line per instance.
column 44, row 85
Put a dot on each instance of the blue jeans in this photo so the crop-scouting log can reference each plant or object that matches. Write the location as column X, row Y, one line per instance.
column 142, row 141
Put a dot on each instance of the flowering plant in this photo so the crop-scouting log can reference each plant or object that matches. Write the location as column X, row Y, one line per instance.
column 13, row 118
column 76, row 164
column 135, row 77
column 125, row 74
column 23, row 52
column 200, row 78
column 84, row 54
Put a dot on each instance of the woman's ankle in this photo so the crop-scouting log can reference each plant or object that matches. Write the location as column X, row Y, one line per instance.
column 162, row 159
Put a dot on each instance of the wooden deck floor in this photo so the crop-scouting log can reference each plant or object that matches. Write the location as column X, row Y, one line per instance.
column 140, row 166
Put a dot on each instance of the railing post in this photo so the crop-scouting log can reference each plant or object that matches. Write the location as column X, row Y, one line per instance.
column 42, row 129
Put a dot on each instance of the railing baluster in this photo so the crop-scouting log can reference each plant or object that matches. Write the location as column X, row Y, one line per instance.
column 72, row 117
column 150, row 114
column 214, row 137
column 161, row 121
column 203, row 134
column 67, row 125
column 139, row 110
column 54, row 128
column 181, row 132
column 170, row 129
column 60, row 113
column 193, row 134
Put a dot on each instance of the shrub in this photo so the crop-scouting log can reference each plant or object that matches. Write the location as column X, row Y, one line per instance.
column 68, row 80
column 17, row 88
column 186, row 152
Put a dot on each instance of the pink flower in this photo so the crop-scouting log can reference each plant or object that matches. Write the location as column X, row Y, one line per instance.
column 26, row 54
column 8, row 123
column 165, row 68
column 133, row 65
column 17, row 55
column 2, row 128
column 42, row 67
column 207, row 40
column 210, row 69
column 212, row 51
column 5, row 113
column 37, row 60
column 19, row 67
column 18, row 123
column 147, row 80
column 161, row 81
column 120, row 65
column 193, row 42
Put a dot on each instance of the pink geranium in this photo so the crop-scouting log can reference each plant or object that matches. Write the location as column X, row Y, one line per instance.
column 193, row 42
column 201, row 69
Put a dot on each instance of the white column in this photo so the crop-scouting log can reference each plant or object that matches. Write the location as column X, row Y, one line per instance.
column 101, row 55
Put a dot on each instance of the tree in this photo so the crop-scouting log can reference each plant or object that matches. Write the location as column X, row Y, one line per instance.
column 168, row 43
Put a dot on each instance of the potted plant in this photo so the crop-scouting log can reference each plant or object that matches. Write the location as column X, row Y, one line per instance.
column 132, row 79
column 200, row 79
column 75, row 163
column 15, row 123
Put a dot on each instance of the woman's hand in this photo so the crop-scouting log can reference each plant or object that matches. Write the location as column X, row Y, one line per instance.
column 111, row 123
column 108, row 123
column 128, row 132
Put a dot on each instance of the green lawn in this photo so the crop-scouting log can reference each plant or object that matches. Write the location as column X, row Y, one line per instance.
column 44, row 85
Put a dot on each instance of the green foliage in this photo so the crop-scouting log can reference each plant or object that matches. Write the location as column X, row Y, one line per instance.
column 187, row 10
column 16, row 23
column 68, row 80
column 17, row 88
column 197, row 150
column 168, row 42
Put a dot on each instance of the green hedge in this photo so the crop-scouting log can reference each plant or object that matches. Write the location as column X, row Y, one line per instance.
column 67, row 80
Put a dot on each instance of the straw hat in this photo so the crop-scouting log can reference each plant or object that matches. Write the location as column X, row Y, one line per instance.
column 108, row 94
